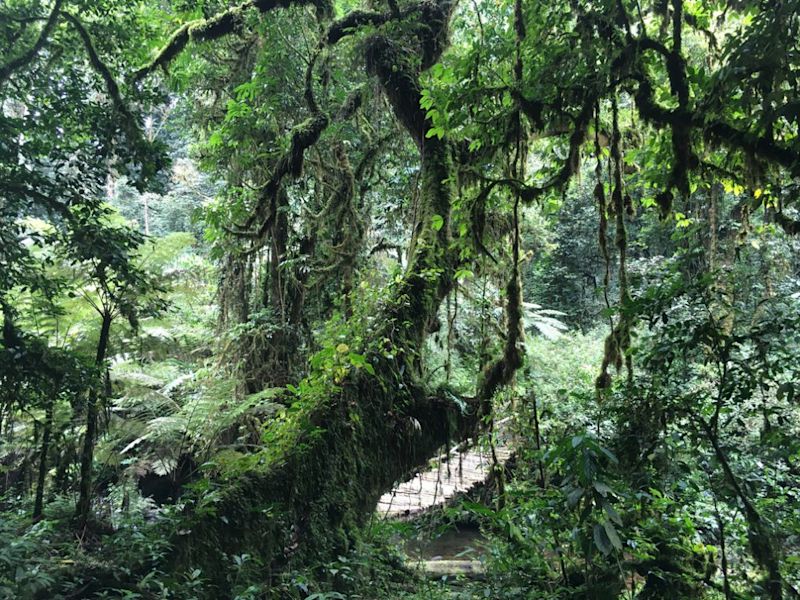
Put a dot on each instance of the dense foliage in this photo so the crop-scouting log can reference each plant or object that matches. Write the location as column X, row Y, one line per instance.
column 260, row 262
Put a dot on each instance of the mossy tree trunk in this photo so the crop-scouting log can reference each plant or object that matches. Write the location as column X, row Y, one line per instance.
column 364, row 433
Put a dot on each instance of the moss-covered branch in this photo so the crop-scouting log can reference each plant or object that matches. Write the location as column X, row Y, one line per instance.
column 220, row 25
column 304, row 136
column 353, row 21
column 683, row 119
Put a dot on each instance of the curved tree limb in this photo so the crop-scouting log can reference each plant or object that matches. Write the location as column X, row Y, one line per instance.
column 308, row 133
column 25, row 58
column 715, row 130
column 98, row 65
column 353, row 20
column 761, row 146
column 222, row 24
column 682, row 118
column 304, row 136
column 530, row 193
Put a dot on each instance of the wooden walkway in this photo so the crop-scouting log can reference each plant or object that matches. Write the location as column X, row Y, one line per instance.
column 450, row 474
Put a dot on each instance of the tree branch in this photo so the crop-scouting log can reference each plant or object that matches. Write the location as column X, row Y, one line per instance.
column 714, row 130
column 225, row 23
column 789, row 225
column 98, row 65
column 16, row 63
column 128, row 121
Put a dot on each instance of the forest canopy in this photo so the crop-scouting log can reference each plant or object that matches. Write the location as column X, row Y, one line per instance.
column 263, row 261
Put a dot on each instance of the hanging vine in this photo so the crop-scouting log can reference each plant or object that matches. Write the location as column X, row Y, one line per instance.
column 618, row 341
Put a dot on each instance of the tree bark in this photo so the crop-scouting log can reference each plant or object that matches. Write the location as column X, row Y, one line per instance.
column 758, row 533
column 87, row 455
column 726, row 586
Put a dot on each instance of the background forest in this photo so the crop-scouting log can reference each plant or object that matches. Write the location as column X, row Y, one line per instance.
column 262, row 261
